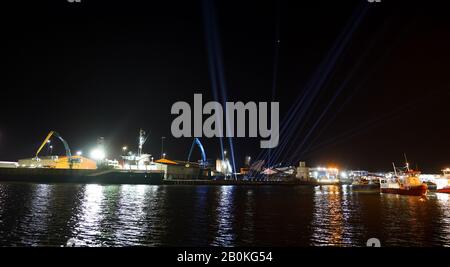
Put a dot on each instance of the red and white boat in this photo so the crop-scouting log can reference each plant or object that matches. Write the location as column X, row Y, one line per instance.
column 404, row 182
column 443, row 183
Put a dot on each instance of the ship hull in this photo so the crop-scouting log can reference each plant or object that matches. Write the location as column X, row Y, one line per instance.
column 411, row 191
column 365, row 187
column 444, row 190
column 80, row 176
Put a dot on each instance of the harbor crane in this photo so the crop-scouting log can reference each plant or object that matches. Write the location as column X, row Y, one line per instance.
column 66, row 147
column 197, row 142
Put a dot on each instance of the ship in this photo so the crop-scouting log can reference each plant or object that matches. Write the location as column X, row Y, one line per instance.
column 76, row 169
column 431, row 186
column 98, row 176
column 404, row 181
column 444, row 182
column 365, row 184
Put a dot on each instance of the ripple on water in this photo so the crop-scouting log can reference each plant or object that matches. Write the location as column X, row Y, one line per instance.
column 144, row 215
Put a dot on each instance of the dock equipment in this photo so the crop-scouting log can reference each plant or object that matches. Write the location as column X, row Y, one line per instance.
column 66, row 147
column 202, row 151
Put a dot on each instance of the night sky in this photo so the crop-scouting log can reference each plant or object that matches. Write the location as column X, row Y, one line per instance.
column 108, row 68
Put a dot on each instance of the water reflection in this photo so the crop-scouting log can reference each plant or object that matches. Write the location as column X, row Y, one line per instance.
column 328, row 221
column 132, row 210
column 143, row 215
column 408, row 219
column 248, row 225
column 33, row 223
column 225, row 235
column 443, row 222
column 116, row 215
column 88, row 230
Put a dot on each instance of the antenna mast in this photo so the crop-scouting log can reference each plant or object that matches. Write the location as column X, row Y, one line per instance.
column 407, row 163
column 142, row 140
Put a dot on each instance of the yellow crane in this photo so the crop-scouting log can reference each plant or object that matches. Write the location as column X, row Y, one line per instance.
column 66, row 147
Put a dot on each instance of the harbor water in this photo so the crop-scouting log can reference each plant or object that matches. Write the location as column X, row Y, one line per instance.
column 187, row 215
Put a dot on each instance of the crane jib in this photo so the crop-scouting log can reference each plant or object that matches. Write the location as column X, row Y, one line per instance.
column 66, row 145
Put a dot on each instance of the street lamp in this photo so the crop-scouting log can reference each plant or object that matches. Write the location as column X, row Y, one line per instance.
column 79, row 153
column 164, row 155
column 51, row 150
column 124, row 148
column 48, row 147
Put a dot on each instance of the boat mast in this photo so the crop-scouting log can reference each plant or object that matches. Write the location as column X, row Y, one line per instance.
column 395, row 170
column 141, row 141
column 406, row 160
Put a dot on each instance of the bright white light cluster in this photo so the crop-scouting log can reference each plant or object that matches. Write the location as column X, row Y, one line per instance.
column 98, row 154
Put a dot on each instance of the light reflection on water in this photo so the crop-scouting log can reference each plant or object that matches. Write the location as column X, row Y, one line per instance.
column 144, row 215
column 225, row 233
column 131, row 214
column 328, row 220
column 90, row 217
column 36, row 223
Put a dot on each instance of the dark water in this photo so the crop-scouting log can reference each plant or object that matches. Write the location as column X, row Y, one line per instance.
column 94, row 215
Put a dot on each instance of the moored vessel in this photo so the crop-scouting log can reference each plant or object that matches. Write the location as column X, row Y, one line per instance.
column 444, row 182
column 364, row 184
column 431, row 186
column 403, row 182
column 99, row 176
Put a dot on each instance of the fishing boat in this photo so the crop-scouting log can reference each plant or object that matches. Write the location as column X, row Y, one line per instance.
column 364, row 184
column 431, row 186
column 444, row 182
column 404, row 181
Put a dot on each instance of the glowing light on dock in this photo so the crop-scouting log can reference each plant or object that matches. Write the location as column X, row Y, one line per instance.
column 98, row 154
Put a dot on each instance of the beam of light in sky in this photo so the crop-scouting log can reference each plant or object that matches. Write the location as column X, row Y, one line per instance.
column 361, row 85
column 275, row 63
column 287, row 126
column 301, row 106
column 343, row 85
column 216, row 64
column 318, row 84
column 211, row 60
column 363, row 127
